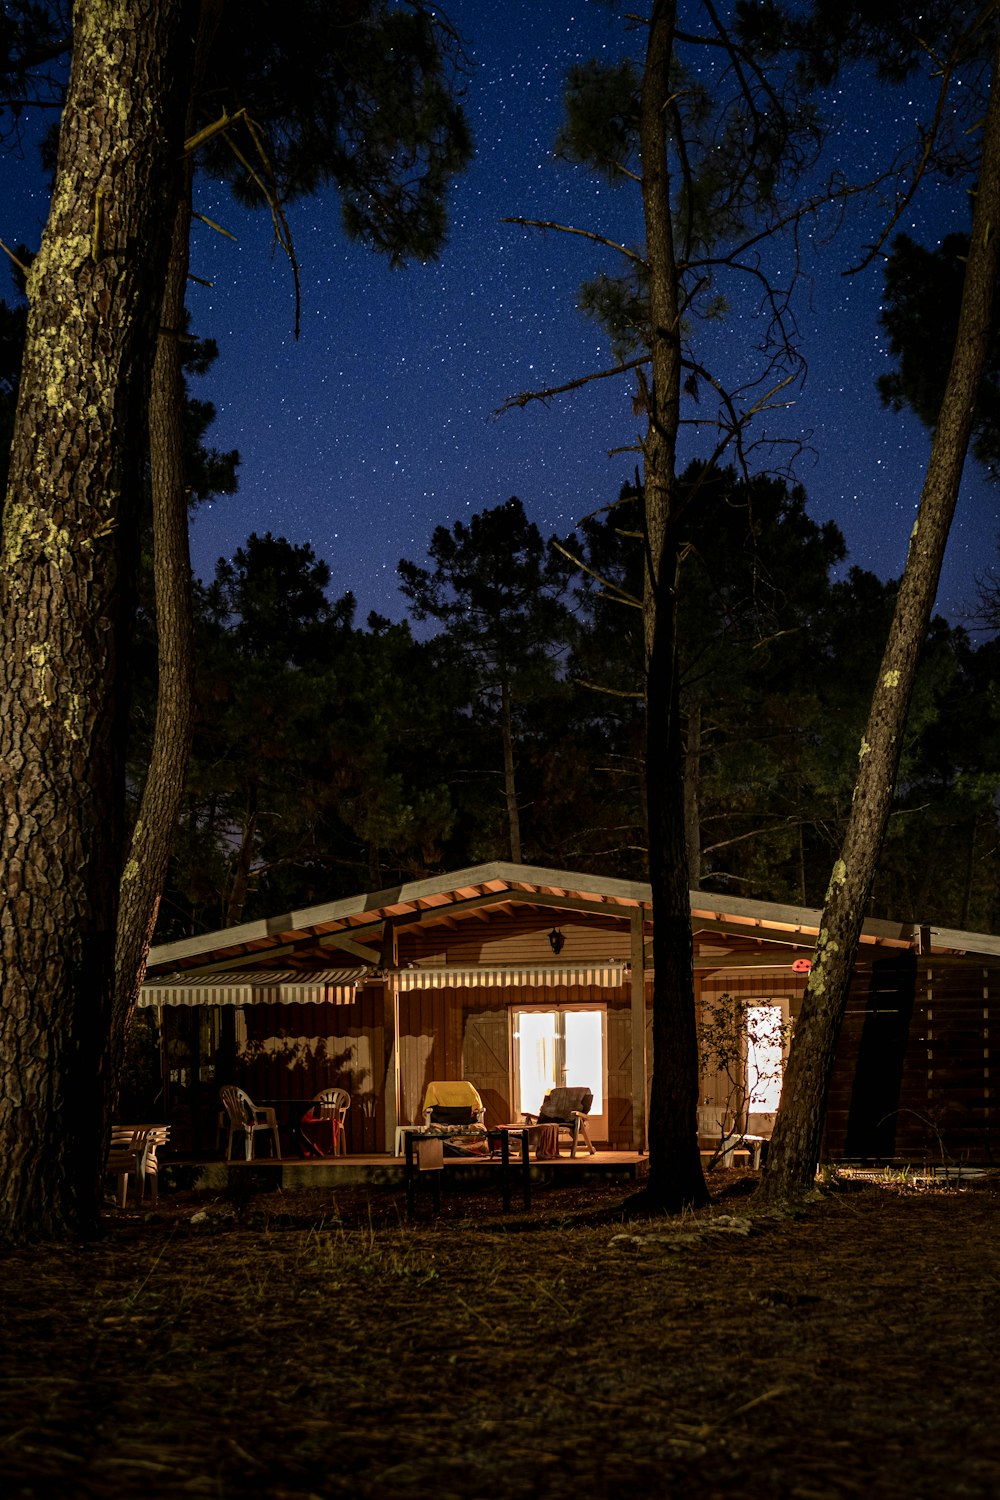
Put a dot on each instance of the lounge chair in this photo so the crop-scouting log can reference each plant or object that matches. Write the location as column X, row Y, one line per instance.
column 566, row 1109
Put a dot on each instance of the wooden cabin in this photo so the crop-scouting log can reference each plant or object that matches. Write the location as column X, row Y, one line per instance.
column 513, row 976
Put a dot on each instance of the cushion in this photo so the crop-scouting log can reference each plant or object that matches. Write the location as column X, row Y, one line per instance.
column 452, row 1093
column 559, row 1104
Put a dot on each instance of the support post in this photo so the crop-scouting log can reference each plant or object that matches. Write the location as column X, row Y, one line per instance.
column 390, row 1012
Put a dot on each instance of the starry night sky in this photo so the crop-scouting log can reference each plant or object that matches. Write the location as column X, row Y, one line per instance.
column 378, row 423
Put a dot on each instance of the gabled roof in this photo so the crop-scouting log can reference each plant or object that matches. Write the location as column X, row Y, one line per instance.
column 354, row 929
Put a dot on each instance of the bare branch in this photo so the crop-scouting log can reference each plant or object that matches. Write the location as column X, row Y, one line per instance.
column 208, row 131
column 586, row 234
column 902, row 204
column 610, row 590
column 212, row 225
column 526, row 397
column 20, row 264
column 600, row 687
column 272, row 197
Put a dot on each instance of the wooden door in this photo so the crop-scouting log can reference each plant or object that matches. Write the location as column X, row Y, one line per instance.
column 486, row 1060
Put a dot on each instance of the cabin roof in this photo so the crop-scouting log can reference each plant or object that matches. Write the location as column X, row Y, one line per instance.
column 355, row 929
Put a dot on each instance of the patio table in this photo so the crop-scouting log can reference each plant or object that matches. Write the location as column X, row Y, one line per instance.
column 505, row 1132
column 416, row 1133
column 289, row 1113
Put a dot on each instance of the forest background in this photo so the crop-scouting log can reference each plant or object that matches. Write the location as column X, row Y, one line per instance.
column 504, row 718
column 332, row 755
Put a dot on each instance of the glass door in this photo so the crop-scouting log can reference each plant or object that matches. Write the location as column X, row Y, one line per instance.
column 561, row 1045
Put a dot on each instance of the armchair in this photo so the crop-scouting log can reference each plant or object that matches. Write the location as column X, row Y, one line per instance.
column 566, row 1109
column 455, row 1102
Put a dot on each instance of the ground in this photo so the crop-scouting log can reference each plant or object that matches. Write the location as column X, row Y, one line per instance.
column 312, row 1345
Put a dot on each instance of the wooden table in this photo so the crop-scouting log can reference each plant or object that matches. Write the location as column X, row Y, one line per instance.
column 505, row 1132
column 440, row 1133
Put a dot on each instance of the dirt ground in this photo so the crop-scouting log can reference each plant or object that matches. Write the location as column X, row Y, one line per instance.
column 300, row 1345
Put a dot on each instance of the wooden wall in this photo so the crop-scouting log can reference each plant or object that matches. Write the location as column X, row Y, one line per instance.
column 518, row 937
column 950, row 1097
column 465, row 1033
column 282, row 1054
column 911, row 1079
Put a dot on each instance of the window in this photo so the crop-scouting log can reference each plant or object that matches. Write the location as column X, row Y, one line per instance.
column 765, row 1057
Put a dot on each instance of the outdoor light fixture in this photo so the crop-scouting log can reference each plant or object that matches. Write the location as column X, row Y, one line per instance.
column 556, row 940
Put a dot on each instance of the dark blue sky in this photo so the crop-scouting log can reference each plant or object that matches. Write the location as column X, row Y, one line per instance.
column 377, row 424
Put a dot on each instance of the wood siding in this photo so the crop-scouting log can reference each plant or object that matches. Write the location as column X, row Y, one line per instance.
column 465, row 1033
column 283, row 1054
column 911, row 1078
column 518, row 937
column 951, row 1102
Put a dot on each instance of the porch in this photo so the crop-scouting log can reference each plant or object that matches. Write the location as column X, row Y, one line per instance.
column 381, row 1170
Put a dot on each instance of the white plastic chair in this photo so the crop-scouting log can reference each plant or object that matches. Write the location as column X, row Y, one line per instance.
column 243, row 1114
column 133, row 1149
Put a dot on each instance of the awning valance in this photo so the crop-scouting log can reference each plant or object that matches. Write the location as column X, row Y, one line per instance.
column 531, row 976
column 260, row 987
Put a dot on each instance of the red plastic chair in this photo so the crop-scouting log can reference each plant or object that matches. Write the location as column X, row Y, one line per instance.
column 322, row 1125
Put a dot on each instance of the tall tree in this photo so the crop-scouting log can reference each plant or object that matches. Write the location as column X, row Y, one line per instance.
column 711, row 147
column 135, row 209
column 318, row 764
column 798, row 1128
column 380, row 120
column 69, row 563
column 145, row 867
column 498, row 591
column 272, row 648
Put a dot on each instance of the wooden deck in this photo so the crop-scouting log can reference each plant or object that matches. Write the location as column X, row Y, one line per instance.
column 387, row 1171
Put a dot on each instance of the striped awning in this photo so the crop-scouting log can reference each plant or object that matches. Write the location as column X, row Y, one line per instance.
column 260, row 987
column 527, row 976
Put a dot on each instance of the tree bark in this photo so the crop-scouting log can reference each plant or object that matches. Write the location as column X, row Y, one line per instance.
column 675, row 1178
column 795, row 1146
column 69, row 564
column 509, row 781
column 145, row 868
column 692, row 792
column 244, row 864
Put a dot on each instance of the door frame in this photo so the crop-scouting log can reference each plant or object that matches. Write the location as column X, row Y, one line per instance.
column 597, row 1124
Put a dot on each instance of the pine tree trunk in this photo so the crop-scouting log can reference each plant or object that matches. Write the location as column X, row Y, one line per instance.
column 692, row 793
column 675, row 1178
column 795, row 1146
column 509, row 783
column 148, row 856
column 244, row 864
column 69, row 564
column 145, row 869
